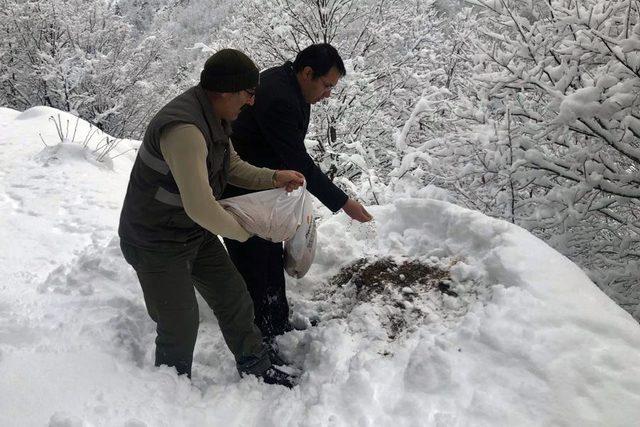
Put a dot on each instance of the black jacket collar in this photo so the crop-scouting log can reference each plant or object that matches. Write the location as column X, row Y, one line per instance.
column 294, row 81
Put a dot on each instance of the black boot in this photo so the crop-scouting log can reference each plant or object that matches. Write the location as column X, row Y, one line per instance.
column 254, row 364
column 274, row 375
column 260, row 365
column 276, row 359
column 274, row 354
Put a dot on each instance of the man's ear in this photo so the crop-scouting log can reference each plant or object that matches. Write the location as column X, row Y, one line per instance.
column 307, row 73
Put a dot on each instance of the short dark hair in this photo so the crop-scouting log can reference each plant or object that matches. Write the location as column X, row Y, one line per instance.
column 320, row 57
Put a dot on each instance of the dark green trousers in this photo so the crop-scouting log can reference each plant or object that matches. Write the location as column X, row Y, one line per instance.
column 168, row 277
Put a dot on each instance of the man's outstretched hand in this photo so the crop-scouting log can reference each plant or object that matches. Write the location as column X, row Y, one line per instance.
column 356, row 211
column 288, row 179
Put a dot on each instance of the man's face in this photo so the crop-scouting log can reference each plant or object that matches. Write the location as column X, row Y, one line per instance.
column 232, row 103
column 317, row 89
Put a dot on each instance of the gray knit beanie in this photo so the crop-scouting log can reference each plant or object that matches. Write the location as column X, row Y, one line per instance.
column 229, row 70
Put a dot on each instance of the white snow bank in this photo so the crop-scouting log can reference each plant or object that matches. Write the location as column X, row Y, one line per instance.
column 543, row 347
column 529, row 340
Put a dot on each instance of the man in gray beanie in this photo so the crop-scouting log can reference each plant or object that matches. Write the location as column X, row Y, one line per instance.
column 170, row 220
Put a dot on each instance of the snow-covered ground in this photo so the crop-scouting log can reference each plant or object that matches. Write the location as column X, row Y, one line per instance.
column 529, row 340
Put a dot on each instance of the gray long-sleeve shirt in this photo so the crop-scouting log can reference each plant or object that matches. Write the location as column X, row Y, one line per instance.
column 185, row 150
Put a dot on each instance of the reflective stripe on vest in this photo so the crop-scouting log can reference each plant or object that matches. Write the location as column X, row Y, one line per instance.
column 168, row 197
column 152, row 161
column 160, row 166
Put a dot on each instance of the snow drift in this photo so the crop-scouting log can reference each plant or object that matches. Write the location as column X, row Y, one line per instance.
column 528, row 340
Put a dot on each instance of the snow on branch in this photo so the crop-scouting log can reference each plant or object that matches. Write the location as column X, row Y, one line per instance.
column 559, row 93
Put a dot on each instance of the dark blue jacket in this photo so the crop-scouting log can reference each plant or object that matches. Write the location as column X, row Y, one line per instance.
column 271, row 134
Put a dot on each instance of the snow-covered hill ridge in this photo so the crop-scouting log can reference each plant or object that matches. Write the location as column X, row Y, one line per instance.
column 529, row 340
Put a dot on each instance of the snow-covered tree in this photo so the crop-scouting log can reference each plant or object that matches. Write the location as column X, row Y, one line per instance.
column 81, row 57
column 395, row 52
column 553, row 131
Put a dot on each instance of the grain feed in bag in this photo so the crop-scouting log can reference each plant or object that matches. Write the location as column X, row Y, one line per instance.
column 300, row 250
column 273, row 215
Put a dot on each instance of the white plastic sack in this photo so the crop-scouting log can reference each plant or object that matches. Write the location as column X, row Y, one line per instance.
column 300, row 250
column 273, row 215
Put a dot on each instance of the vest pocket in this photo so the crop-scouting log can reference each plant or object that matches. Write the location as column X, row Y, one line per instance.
column 180, row 220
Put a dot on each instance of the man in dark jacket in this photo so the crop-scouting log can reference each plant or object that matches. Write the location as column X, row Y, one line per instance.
column 171, row 220
column 271, row 134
